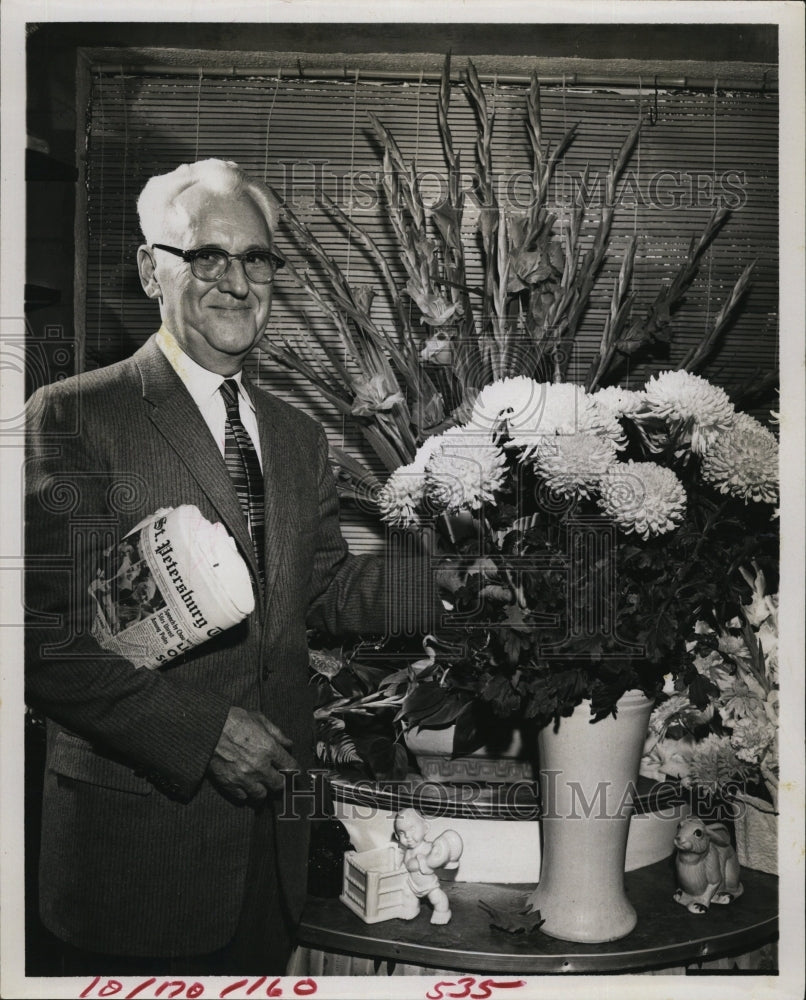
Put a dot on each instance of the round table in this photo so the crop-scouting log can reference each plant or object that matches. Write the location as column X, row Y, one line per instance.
column 666, row 935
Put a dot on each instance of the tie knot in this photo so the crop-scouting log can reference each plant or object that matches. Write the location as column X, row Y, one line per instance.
column 229, row 390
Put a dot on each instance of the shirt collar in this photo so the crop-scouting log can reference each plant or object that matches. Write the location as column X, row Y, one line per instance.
column 201, row 383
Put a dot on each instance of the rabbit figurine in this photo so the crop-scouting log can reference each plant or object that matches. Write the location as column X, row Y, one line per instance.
column 706, row 865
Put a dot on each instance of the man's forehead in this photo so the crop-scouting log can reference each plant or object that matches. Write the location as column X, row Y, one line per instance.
column 197, row 209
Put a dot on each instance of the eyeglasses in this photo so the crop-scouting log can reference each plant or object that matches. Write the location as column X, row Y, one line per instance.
column 212, row 263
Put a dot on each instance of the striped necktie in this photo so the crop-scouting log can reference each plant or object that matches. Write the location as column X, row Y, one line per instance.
column 244, row 469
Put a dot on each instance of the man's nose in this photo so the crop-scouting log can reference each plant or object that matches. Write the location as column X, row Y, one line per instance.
column 234, row 280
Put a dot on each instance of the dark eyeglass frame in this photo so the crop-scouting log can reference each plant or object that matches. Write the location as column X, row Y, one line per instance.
column 190, row 256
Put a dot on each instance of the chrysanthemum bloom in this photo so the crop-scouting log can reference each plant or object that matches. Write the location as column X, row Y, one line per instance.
column 462, row 473
column 614, row 403
column 667, row 713
column 574, row 464
column 617, row 401
column 743, row 461
column 560, row 409
column 643, row 497
column 401, row 495
column 508, row 397
column 734, row 646
column 403, row 492
column 751, row 738
column 696, row 412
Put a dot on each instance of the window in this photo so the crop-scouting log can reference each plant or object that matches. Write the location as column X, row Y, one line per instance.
column 707, row 149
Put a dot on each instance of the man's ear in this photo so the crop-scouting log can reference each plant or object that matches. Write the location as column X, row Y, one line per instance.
column 148, row 273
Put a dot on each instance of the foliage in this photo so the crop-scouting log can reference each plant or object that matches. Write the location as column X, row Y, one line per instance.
column 581, row 532
column 724, row 728
column 402, row 385
column 575, row 578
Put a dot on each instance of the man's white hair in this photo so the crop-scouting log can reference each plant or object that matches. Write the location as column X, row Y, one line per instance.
column 157, row 203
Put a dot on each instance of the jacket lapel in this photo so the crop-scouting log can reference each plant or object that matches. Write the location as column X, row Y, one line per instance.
column 279, row 508
column 177, row 418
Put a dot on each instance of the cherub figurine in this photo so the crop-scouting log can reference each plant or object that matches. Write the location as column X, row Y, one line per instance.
column 420, row 858
column 706, row 865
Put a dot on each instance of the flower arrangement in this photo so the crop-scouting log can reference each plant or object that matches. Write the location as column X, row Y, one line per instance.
column 579, row 530
column 582, row 543
column 729, row 741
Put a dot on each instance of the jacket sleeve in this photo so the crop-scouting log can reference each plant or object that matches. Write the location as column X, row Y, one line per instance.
column 158, row 723
column 365, row 595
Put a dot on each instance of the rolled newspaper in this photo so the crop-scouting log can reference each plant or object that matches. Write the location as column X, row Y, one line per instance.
column 175, row 581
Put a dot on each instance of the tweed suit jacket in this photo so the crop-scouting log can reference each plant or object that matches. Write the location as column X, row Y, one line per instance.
column 140, row 853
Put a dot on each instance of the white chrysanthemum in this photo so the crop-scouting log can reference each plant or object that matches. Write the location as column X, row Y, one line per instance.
column 667, row 713
column 696, row 411
column 560, row 409
column 743, row 461
column 508, row 398
column 400, row 496
column 617, row 401
column 614, row 403
column 750, row 739
column 462, row 472
column 403, row 491
column 429, row 446
column 643, row 497
column 734, row 646
column 575, row 464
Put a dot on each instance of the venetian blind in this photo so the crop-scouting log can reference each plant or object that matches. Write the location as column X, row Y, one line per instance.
column 704, row 149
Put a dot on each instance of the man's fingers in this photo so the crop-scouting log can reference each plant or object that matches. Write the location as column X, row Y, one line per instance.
column 251, row 752
column 282, row 760
column 276, row 782
column 275, row 732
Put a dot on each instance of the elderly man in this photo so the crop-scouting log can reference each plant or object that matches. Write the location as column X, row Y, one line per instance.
column 164, row 848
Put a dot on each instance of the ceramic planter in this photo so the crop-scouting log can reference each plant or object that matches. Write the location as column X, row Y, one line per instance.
column 756, row 826
column 433, row 750
column 587, row 772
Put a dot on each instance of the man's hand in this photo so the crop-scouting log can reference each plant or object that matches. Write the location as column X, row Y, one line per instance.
column 249, row 755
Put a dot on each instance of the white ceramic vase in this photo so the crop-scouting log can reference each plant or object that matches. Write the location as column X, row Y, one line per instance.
column 588, row 772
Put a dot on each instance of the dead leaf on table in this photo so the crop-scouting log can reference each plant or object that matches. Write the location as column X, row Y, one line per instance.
column 513, row 921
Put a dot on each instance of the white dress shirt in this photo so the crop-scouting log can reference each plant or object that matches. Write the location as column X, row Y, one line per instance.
column 204, row 386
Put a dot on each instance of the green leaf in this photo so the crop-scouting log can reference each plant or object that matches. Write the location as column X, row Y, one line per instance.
column 702, row 691
column 500, row 692
column 422, row 700
column 385, row 758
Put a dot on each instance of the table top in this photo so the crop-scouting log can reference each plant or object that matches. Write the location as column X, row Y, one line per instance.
column 666, row 933
column 516, row 801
